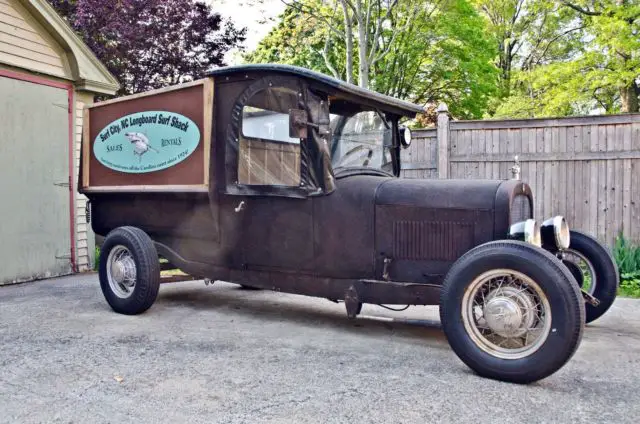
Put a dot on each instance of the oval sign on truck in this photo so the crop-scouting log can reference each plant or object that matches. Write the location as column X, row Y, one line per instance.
column 146, row 142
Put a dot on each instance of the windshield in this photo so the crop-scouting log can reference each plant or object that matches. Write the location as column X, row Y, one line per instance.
column 361, row 140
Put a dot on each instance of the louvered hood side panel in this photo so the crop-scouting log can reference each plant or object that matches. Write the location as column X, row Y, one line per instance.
column 424, row 226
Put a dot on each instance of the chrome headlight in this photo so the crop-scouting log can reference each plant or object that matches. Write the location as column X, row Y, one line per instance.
column 405, row 136
column 528, row 231
column 555, row 233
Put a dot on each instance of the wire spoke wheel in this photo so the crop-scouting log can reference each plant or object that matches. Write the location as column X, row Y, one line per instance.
column 585, row 268
column 512, row 311
column 121, row 271
column 506, row 314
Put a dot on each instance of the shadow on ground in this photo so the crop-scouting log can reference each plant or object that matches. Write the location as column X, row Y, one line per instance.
column 269, row 306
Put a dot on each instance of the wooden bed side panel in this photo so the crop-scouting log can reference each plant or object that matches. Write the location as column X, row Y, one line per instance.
column 192, row 100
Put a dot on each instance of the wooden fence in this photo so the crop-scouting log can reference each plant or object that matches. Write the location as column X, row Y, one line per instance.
column 584, row 168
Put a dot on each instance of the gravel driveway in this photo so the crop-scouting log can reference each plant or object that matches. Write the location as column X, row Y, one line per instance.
column 224, row 355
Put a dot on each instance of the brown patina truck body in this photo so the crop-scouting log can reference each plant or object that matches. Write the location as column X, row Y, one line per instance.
column 280, row 178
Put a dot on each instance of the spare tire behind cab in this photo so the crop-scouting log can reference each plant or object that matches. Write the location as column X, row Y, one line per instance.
column 586, row 252
column 512, row 311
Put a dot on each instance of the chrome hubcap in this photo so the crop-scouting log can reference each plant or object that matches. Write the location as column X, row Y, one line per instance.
column 121, row 272
column 506, row 314
column 503, row 316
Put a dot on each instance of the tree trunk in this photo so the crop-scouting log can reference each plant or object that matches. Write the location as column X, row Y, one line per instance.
column 363, row 75
column 348, row 33
column 505, row 64
column 629, row 98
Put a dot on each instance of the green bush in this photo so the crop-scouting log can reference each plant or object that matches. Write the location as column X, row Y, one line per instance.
column 630, row 284
column 627, row 256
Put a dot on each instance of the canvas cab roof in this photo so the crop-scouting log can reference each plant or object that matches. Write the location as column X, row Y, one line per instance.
column 337, row 89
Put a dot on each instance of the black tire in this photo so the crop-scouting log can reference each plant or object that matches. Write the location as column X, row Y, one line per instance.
column 557, row 284
column 605, row 268
column 145, row 257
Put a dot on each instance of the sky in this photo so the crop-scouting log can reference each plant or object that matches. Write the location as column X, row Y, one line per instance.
column 259, row 16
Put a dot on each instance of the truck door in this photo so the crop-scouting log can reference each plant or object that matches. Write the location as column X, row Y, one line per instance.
column 276, row 230
column 265, row 211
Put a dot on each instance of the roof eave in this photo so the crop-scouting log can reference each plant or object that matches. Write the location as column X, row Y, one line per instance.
column 97, row 87
column 89, row 72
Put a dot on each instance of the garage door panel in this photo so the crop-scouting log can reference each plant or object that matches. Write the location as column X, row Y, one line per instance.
column 34, row 156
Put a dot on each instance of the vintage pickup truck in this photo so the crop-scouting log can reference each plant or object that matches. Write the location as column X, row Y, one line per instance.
column 281, row 178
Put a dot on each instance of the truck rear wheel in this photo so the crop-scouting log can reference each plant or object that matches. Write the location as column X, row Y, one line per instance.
column 129, row 271
column 511, row 311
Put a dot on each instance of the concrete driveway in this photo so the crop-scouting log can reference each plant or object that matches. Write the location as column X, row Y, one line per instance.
column 224, row 355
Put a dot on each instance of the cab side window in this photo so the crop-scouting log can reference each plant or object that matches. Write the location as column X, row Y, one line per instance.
column 267, row 155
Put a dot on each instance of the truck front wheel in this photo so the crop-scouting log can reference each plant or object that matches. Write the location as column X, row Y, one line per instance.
column 129, row 270
column 512, row 311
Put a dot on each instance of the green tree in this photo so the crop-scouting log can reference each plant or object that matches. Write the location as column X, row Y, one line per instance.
column 443, row 56
column 426, row 51
column 365, row 29
column 612, row 58
column 529, row 33
column 588, row 59
column 302, row 40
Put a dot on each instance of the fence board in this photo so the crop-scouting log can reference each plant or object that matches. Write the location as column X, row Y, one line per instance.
column 634, row 231
column 563, row 190
column 581, row 176
column 602, row 184
column 609, row 181
column 481, row 147
column 495, row 168
column 554, row 186
column 530, row 175
column 626, row 169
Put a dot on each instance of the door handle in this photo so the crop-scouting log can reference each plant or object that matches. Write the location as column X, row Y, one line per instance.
column 241, row 206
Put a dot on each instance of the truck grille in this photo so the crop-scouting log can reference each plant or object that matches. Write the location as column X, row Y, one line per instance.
column 425, row 240
column 520, row 208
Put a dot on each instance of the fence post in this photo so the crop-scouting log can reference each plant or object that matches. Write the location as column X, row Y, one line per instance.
column 443, row 140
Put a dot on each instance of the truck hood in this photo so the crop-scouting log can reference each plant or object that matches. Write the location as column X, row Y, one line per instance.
column 495, row 196
column 439, row 194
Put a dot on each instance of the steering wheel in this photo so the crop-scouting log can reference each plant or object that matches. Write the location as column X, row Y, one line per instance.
column 364, row 157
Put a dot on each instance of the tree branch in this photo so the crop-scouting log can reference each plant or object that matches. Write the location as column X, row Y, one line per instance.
column 594, row 94
column 553, row 40
column 325, row 56
column 580, row 9
column 514, row 18
column 353, row 7
column 368, row 18
column 348, row 38
column 373, row 58
column 310, row 12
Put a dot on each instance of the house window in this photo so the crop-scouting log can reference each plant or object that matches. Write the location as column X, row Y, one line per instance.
column 267, row 155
